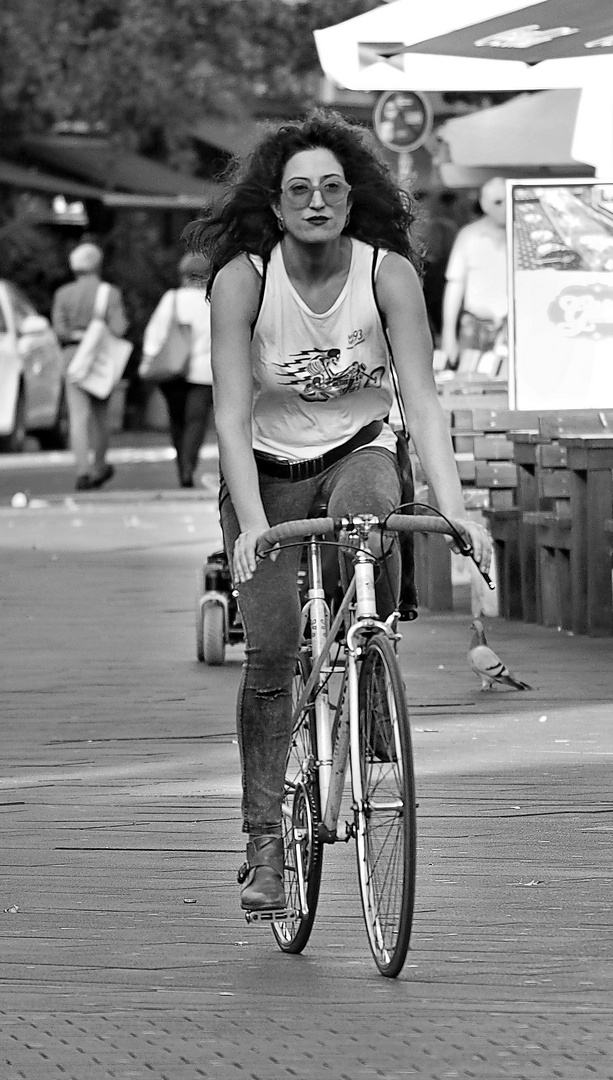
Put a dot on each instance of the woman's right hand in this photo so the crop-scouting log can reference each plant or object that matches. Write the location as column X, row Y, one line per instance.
column 245, row 558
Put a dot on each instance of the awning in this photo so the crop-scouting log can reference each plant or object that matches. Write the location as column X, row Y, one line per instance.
column 230, row 136
column 32, row 180
column 533, row 132
column 97, row 160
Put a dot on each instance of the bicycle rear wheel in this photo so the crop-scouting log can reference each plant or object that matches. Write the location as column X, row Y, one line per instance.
column 385, row 817
column 302, row 849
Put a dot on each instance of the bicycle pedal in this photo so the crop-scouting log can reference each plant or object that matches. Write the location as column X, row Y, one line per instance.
column 277, row 915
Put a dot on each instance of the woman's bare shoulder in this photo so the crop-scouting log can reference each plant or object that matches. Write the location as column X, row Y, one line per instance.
column 393, row 264
column 239, row 271
column 236, row 288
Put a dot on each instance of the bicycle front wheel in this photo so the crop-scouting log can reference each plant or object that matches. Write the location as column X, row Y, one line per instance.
column 302, row 848
column 385, row 815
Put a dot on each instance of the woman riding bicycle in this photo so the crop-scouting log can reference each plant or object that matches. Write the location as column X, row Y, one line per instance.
column 302, row 387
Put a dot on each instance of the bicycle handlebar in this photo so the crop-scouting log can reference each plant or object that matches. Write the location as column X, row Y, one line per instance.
column 408, row 523
column 297, row 530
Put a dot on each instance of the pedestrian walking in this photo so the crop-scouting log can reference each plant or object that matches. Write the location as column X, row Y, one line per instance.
column 189, row 394
column 73, row 309
column 310, row 261
column 475, row 299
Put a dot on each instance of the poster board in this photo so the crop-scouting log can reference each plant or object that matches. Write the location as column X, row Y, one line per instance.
column 560, row 270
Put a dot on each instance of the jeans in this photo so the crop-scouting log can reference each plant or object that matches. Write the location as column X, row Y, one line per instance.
column 189, row 408
column 366, row 481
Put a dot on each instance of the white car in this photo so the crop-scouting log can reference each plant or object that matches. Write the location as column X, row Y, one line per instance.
column 32, row 397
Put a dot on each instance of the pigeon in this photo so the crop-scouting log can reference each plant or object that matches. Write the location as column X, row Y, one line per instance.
column 487, row 665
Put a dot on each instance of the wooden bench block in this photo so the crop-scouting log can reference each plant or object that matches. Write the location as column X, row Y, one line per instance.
column 560, row 507
column 553, row 484
column 464, row 444
column 580, row 421
column 502, row 498
column 547, row 519
column 525, row 444
column 496, row 474
column 494, row 419
column 467, row 471
column 493, row 448
column 551, row 455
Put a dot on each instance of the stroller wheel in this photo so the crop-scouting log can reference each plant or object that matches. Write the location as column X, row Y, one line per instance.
column 213, row 637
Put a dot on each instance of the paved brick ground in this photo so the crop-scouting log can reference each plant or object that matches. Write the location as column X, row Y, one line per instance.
column 119, row 804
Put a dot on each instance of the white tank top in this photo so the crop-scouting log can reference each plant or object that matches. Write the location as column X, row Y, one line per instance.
column 319, row 379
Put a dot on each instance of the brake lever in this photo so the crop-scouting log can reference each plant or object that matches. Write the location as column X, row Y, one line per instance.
column 467, row 550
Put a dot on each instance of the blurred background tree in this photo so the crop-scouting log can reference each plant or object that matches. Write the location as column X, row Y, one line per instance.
column 143, row 73
column 146, row 70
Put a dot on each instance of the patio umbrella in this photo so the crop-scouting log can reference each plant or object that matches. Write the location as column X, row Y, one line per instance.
column 484, row 45
column 473, row 45
column 531, row 135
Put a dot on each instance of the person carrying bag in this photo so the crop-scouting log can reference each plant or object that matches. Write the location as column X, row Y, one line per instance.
column 100, row 357
column 172, row 357
column 177, row 359
column 89, row 320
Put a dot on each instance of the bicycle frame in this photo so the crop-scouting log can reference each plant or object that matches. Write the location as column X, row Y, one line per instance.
column 368, row 726
column 358, row 611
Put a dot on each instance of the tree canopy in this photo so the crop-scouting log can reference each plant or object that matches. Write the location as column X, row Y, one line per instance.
column 146, row 69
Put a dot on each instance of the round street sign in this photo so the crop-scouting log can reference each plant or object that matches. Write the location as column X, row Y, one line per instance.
column 402, row 120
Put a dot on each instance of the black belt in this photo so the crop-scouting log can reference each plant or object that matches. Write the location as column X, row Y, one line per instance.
column 309, row 467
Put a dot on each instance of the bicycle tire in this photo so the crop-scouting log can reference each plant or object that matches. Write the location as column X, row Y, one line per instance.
column 300, row 810
column 386, row 816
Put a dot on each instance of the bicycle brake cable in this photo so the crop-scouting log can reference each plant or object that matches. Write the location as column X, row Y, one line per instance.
column 464, row 546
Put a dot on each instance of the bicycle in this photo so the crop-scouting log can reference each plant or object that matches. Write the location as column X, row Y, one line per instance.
column 352, row 655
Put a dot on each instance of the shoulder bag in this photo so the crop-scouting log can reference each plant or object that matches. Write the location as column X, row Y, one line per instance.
column 172, row 358
column 100, row 358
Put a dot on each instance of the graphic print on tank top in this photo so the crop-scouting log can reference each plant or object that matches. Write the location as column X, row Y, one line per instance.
column 320, row 376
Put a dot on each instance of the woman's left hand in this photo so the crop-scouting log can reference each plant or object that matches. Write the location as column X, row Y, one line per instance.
column 479, row 539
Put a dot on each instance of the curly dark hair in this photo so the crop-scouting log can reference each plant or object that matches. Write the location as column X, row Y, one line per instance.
column 242, row 220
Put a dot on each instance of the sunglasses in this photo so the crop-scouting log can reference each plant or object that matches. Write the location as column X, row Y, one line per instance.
column 299, row 192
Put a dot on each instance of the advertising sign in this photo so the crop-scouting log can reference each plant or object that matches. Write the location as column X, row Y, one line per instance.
column 560, row 294
column 402, row 120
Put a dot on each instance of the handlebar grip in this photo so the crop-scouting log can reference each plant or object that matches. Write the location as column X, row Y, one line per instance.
column 424, row 523
column 294, row 530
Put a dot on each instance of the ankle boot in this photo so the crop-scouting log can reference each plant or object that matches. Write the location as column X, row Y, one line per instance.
column 262, row 875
